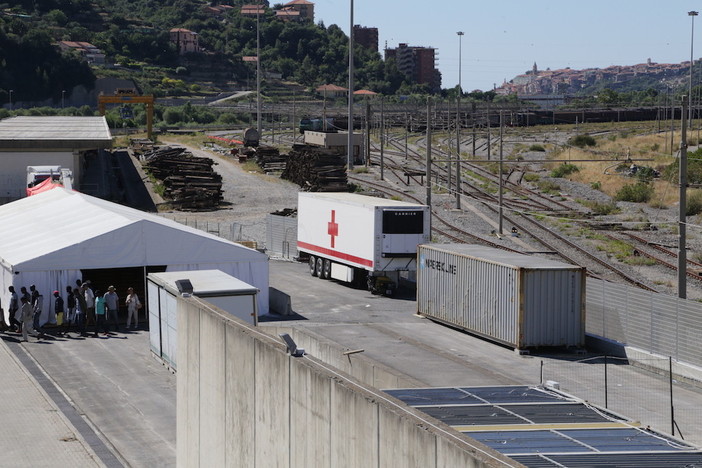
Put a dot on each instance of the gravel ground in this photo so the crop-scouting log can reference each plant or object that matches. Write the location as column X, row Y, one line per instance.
column 251, row 196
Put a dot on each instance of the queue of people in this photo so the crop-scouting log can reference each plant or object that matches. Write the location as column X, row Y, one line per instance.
column 77, row 310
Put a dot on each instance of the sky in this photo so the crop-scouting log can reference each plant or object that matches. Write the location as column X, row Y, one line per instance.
column 504, row 38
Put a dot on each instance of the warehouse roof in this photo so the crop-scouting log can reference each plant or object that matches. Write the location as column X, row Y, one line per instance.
column 53, row 132
column 542, row 427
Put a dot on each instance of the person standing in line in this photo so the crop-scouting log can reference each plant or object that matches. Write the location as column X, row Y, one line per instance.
column 100, row 319
column 24, row 292
column 37, row 305
column 15, row 323
column 112, row 303
column 58, row 308
column 90, row 302
column 70, row 314
column 27, row 318
column 133, row 306
column 81, row 307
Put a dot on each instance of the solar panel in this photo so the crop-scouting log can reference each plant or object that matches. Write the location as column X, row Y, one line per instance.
column 610, row 460
column 542, row 428
column 577, row 440
column 474, row 395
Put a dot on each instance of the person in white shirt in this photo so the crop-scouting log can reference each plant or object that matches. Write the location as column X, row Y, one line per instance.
column 133, row 306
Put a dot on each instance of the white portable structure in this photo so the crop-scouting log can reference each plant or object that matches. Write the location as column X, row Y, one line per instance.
column 346, row 232
column 47, row 239
column 214, row 286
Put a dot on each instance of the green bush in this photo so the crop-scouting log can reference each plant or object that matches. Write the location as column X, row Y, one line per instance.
column 531, row 177
column 581, row 141
column 694, row 203
column 694, row 168
column 564, row 170
column 547, row 186
column 645, row 174
column 596, row 185
column 639, row 192
column 537, row 147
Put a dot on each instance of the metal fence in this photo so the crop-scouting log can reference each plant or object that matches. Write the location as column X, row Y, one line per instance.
column 654, row 399
column 225, row 230
column 655, row 323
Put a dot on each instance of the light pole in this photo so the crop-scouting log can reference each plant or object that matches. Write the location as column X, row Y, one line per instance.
column 63, row 98
column 11, row 91
column 349, row 143
column 692, row 15
column 458, row 126
column 259, row 124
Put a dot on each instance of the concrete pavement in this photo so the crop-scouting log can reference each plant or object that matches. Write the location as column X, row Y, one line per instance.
column 112, row 396
column 35, row 432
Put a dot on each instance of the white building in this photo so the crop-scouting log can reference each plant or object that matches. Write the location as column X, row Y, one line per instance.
column 46, row 141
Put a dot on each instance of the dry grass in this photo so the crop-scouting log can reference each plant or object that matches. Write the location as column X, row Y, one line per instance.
column 609, row 149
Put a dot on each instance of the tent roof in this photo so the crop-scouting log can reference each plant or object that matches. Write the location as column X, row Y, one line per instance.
column 61, row 229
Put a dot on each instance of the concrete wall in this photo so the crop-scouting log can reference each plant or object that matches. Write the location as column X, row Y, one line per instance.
column 243, row 401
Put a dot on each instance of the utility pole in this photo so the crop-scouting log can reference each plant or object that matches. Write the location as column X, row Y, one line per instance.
column 428, row 158
column 382, row 138
column 488, row 131
column 368, row 147
column 682, row 219
column 259, row 124
column 500, row 172
column 349, row 145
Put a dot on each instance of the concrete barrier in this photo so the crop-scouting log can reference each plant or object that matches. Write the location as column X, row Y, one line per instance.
column 244, row 401
column 279, row 301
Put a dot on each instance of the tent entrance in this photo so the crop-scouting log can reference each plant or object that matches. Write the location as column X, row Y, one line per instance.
column 121, row 279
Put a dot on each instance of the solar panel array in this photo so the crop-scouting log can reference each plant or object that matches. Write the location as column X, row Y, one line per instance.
column 544, row 428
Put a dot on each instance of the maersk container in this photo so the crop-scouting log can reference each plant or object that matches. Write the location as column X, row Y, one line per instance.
column 350, row 236
column 518, row 300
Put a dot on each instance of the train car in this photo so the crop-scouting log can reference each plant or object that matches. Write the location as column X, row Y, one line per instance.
column 251, row 137
column 355, row 238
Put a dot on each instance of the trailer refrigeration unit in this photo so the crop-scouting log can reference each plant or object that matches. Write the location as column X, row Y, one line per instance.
column 518, row 300
column 357, row 238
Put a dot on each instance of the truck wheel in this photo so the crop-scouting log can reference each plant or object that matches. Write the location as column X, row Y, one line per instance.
column 320, row 268
column 326, row 269
column 313, row 265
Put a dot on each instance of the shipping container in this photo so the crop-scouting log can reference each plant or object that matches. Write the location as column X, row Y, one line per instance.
column 356, row 238
column 214, row 286
column 519, row 300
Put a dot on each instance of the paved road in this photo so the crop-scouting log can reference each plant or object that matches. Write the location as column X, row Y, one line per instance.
column 390, row 332
column 116, row 404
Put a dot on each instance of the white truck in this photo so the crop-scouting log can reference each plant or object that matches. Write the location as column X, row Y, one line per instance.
column 60, row 175
column 356, row 238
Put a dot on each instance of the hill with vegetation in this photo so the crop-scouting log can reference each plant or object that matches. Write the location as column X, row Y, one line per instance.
column 135, row 35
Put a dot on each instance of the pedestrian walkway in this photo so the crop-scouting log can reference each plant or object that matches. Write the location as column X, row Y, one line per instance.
column 34, row 431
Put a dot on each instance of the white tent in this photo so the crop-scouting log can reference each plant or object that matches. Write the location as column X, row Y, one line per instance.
column 48, row 238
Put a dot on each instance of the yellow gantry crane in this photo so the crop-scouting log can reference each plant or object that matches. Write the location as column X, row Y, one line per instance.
column 129, row 96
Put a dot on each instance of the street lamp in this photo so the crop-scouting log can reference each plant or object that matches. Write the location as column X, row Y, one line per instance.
column 692, row 15
column 259, row 124
column 11, row 91
column 63, row 98
column 349, row 142
column 458, row 126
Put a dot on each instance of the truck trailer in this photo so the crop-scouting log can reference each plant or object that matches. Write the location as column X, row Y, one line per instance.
column 360, row 239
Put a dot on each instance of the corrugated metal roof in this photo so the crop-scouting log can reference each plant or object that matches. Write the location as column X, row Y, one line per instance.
column 53, row 131
column 503, row 257
column 544, row 428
